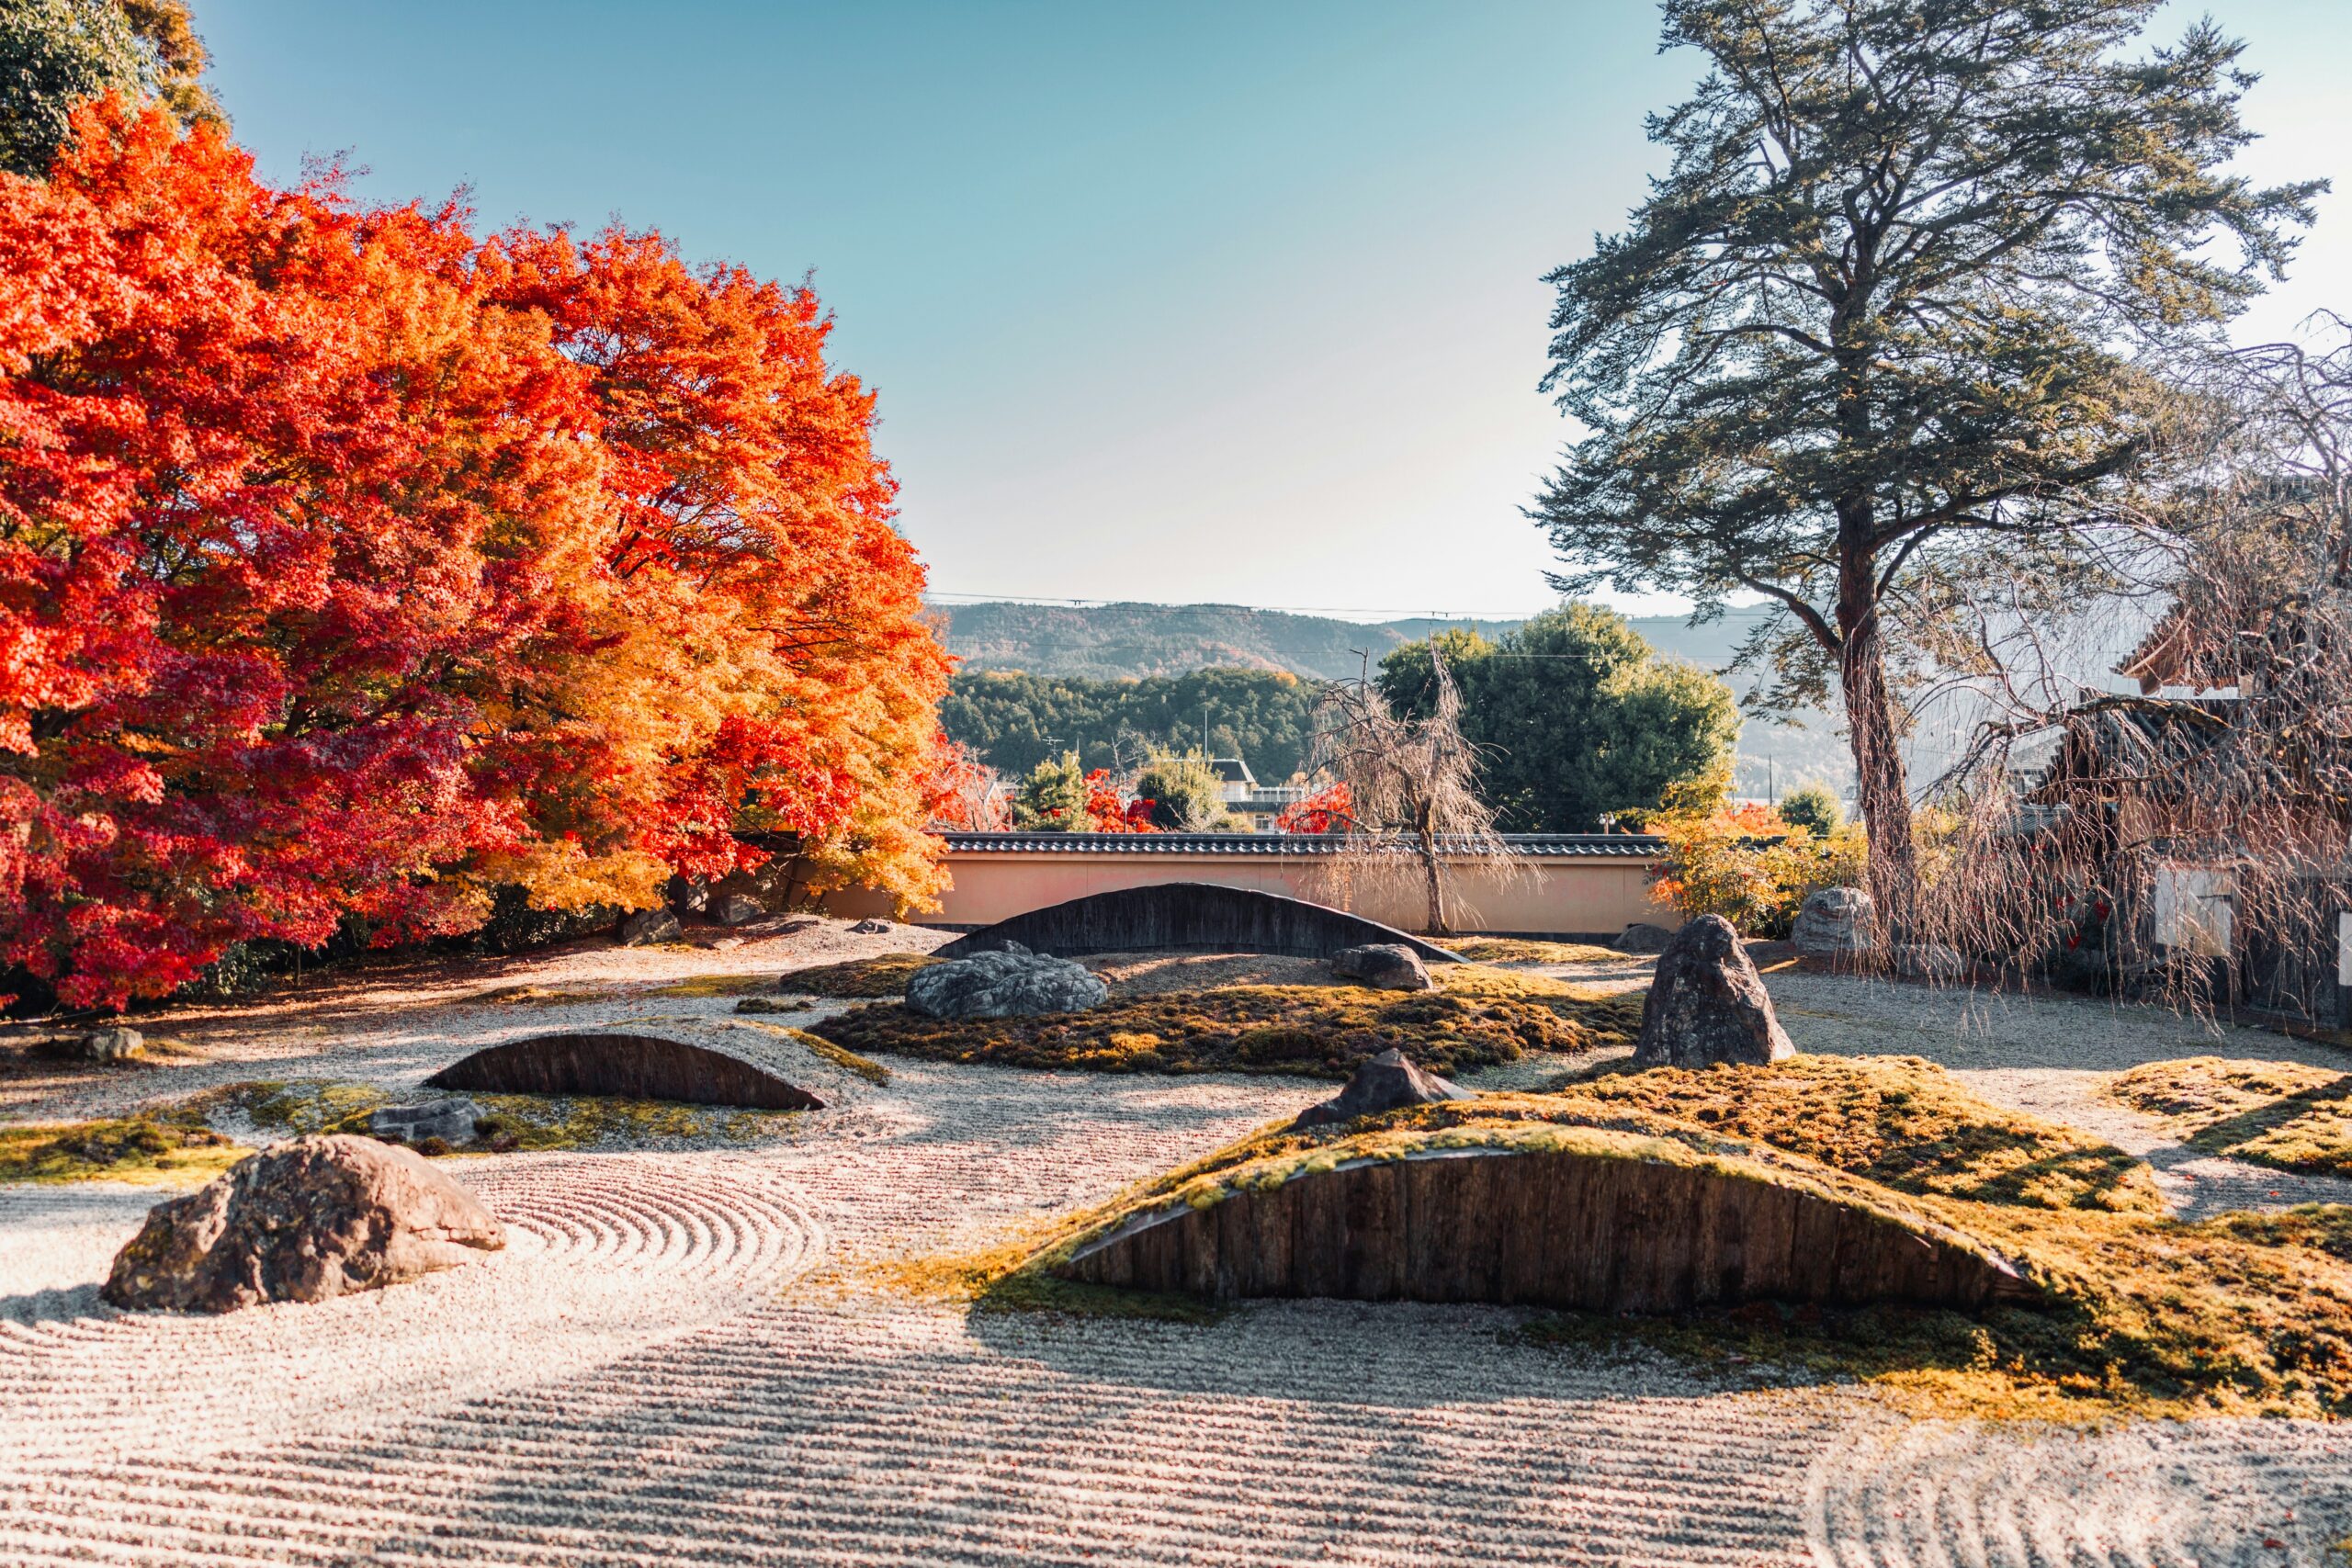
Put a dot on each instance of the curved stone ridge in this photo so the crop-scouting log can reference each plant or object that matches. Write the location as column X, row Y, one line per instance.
column 635, row 1066
column 1196, row 915
column 1577, row 1228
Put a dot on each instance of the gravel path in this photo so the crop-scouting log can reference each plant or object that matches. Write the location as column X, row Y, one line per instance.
column 660, row 1369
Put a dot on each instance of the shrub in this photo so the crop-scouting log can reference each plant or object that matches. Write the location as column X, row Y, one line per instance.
column 1815, row 808
column 1749, row 865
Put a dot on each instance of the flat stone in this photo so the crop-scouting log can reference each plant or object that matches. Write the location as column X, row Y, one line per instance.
column 451, row 1121
column 1004, row 985
column 1642, row 937
column 1383, row 1083
column 116, row 1043
column 1707, row 1004
column 647, row 927
column 305, row 1221
column 1383, row 966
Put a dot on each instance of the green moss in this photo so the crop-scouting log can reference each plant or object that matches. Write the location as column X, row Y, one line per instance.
column 1478, row 1017
column 531, row 1121
column 701, row 986
column 2282, row 1114
column 1522, row 950
column 872, row 1072
column 166, row 1150
column 298, row 1106
column 884, row 976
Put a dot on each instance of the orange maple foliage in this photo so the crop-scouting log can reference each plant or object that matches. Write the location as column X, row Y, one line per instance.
column 349, row 567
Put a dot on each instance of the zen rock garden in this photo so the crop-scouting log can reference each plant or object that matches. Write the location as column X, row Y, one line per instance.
column 1705, row 1193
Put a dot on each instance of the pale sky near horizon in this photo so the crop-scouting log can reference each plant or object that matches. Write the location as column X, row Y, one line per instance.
column 1232, row 302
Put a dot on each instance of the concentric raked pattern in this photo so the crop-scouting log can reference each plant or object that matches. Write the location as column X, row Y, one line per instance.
column 643, row 1378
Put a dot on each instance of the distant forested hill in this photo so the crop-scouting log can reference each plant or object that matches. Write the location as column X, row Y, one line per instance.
column 1014, row 721
column 1110, row 643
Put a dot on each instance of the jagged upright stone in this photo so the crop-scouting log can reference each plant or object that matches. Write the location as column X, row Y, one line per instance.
column 305, row 1221
column 1707, row 1004
column 1382, row 1083
column 1004, row 985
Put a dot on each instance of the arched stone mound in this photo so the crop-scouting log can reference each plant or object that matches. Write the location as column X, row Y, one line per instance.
column 1597, row 1233
column 1200, row 917
column 630, row 1067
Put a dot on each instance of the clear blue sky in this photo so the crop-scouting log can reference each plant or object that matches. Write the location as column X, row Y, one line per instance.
column 1209, row 301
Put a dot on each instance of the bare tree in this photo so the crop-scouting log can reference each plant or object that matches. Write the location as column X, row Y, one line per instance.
column 2188, row 838
column 1413, row 803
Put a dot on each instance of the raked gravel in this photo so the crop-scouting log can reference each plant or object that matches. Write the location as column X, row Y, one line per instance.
column 662, row 1369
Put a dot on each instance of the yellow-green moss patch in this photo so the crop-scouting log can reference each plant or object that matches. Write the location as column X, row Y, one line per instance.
column 161, row 1150
column 297, row 1106
column 2282, row 1114
column 533, row 1122
column 1480, row 1018
column 1526, row 949
column 1898, row 1120
column 872, row 1072
column 885, row 974
column 704, row 987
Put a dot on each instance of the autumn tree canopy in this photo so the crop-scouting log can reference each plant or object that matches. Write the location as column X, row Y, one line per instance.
column 351, row 566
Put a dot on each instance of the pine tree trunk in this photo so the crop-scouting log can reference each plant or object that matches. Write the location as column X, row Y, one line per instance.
column 1884, row 791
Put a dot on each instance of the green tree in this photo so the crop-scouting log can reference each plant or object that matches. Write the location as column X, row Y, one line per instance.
column 1186, row 796
column 1815, row 808
column 55, row 53
column 1878, row 331
column 1052, row 800
column 1574, row 717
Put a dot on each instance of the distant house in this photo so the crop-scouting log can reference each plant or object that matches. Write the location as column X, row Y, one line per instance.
column 1245, row 797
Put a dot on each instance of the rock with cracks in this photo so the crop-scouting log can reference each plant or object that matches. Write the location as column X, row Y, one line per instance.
column 1383, row 966
column 1642, row 937
column 1383, row 1083
column 1707, row 1005
column 1833, row 926
column 649, row 928
column 1004, row 985
column 306, row 1221
column 451, row 1121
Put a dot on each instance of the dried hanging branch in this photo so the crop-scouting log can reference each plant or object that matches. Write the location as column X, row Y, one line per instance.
column 1414, row 810
column 2188, row 840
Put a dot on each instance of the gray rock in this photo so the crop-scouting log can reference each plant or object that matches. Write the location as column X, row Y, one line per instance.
column 1834, row 924
column 1383, row 966
column 1927, row 961
column 873, row 928
column 1004, row 985
column 1383, row 1083
column 1642, row 937
column 1707, row 1005
column 736, row 908
column 117, row 1044
column 452, row 1121
column 646, row 928
column 305, row 1221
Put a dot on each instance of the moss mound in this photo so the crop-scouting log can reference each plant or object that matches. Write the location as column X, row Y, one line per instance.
column 2282, row 1114
column 1478, row 1017
column 170, row 1149
column 510, row 1121
column 2142, row 1312
column 1897, row 1121
column 885, row 974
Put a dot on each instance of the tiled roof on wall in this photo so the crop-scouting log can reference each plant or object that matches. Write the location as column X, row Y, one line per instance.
column 1599, row 846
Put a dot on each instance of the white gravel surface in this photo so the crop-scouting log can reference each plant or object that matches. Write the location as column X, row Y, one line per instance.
column 649, row 1374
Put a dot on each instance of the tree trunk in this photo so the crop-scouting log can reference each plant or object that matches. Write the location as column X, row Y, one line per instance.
column 1878, row 766
column 1435, row 874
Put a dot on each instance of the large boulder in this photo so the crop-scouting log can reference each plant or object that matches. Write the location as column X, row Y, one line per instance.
column 1004, row 985
column 736, row 908
column 1835, row 925
column 305, row 1221
column 1643, row 937
column 1383, row 966
column 1707, row 1004
column 1383, row 1083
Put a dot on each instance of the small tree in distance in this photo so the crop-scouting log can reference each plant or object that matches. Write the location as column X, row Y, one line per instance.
column 1412, row 800
column 1815, row 808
